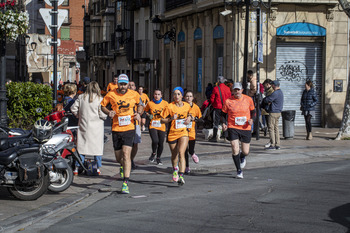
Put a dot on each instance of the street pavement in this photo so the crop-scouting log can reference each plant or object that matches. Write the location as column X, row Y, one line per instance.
column 214, row 158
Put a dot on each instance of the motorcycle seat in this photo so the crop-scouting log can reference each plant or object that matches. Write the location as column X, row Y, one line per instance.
column 7, row 156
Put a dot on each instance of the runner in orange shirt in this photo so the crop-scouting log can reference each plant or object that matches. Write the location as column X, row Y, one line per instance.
column 113, row 85
column 153, row 110
column 179, row 114
column 145, row 100
column 123, row 102
column 240, row 112
column 192, row 131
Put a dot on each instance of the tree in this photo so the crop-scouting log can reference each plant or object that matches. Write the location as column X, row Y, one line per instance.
column 344, row 130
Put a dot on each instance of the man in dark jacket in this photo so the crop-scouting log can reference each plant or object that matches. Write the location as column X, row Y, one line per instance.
column 218, row 97
column 275, row 103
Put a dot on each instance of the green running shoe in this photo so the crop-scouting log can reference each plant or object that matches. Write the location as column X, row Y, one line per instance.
column 181, row 181
column 175, row 176
column 125, row 188
column 121, row 171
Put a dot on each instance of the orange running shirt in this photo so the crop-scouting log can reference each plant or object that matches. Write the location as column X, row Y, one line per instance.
column 111, row 86
column 177, row 128
column 238, row 111
column 155, row 110
column 196, row 113
column 123, row 105
column 144, row 98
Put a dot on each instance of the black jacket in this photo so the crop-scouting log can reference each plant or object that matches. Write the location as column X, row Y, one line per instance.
column 308, row 100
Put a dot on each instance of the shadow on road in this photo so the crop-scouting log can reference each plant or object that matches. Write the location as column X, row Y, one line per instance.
column 341, row 215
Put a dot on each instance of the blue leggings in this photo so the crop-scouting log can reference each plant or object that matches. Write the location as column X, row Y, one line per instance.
column 98, row 160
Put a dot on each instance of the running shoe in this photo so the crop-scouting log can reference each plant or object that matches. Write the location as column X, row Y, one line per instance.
column 243, row 162
column 278, row 148
column 125, row 188
column 181, row 181
column 270, row 148
column 195, row 158
column 98, row 172
column 121, row 171
column 159, row 162
column 239, row 175
column 175, row 176
column 75, row 172
column 151, row 158
column 267, row 145
column 187, row 170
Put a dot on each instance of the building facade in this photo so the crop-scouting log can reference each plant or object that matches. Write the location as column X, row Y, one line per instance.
column 301, row 40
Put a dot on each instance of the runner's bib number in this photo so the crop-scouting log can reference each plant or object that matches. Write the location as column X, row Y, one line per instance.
column 156, row 124
column 179, row 124
column 240, row 120
column 124, row 120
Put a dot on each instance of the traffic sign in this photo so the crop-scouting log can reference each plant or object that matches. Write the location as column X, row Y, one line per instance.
column 46, row 15
column 48, row 2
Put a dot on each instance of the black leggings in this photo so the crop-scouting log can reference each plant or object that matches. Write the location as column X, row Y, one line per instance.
column 190, row 150
column 157, row 137
column 308, row 123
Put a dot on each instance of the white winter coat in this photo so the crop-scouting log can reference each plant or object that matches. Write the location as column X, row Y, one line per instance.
column 91, row 126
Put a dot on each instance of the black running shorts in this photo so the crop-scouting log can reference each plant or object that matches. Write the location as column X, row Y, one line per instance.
column 121, row 139
column 243, row 135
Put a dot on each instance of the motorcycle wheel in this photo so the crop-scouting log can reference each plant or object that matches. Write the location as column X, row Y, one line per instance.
column 29, row 192
column 64, row 181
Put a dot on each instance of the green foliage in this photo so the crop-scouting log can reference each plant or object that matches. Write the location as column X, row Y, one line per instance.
column 27, row 102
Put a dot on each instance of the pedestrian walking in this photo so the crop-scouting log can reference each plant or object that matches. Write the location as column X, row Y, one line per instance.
column 264, row 108
column 307, row 106
column 274, row 104
column 192, row 131
column 145, row 100
column 240, row 112
column 113, row 85
column 179, row 115
column 123, row 102
column 70, row 92
column 157, row 129
column 218, row 97
column 90, row 134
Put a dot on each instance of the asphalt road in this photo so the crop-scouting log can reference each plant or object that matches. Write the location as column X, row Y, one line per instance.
column 300, row 198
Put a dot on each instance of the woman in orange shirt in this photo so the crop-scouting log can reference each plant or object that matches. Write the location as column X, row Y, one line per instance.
column 192, row 131
column 179, row 115
column 153, row 110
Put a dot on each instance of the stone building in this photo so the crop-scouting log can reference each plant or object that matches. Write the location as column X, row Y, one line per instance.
column 300, row 40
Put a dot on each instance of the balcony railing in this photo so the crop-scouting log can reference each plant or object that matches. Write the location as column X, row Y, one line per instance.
column 173, row 4
column 142, row 49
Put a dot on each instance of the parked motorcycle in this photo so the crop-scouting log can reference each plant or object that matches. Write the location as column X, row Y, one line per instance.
column 22, row 169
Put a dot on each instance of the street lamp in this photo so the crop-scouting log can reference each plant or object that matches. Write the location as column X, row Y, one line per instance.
column 121, row 35
column 171, row 34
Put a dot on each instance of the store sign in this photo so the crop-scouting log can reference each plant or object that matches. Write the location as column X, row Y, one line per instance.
column 301, row 29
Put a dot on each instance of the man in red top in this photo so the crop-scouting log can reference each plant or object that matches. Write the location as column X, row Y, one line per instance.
column 240, row 112
column 217, row 100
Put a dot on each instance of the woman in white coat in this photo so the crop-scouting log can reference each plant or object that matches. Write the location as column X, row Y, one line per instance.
column 87, row 108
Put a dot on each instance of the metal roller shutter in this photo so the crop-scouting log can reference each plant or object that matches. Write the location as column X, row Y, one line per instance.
column 295, row 64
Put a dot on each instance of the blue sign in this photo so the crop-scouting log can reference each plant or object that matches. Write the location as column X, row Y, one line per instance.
column 260, row 52
column 218, row 32
column 301, row 29
column 197, row 34
column 199, row 75
column 181, row 37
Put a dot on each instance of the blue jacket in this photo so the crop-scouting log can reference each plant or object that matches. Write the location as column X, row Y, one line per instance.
column 308, row 100
column 276, row 101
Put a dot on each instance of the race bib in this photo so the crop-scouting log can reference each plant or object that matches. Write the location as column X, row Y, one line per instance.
column 124, row 120
column 179, row 124
column 189, row 126
column 156, row 124
column 240, row 120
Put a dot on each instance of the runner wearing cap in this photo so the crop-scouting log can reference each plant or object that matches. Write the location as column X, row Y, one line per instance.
column 179, row 115
column 240, row 112
column 123, row 102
